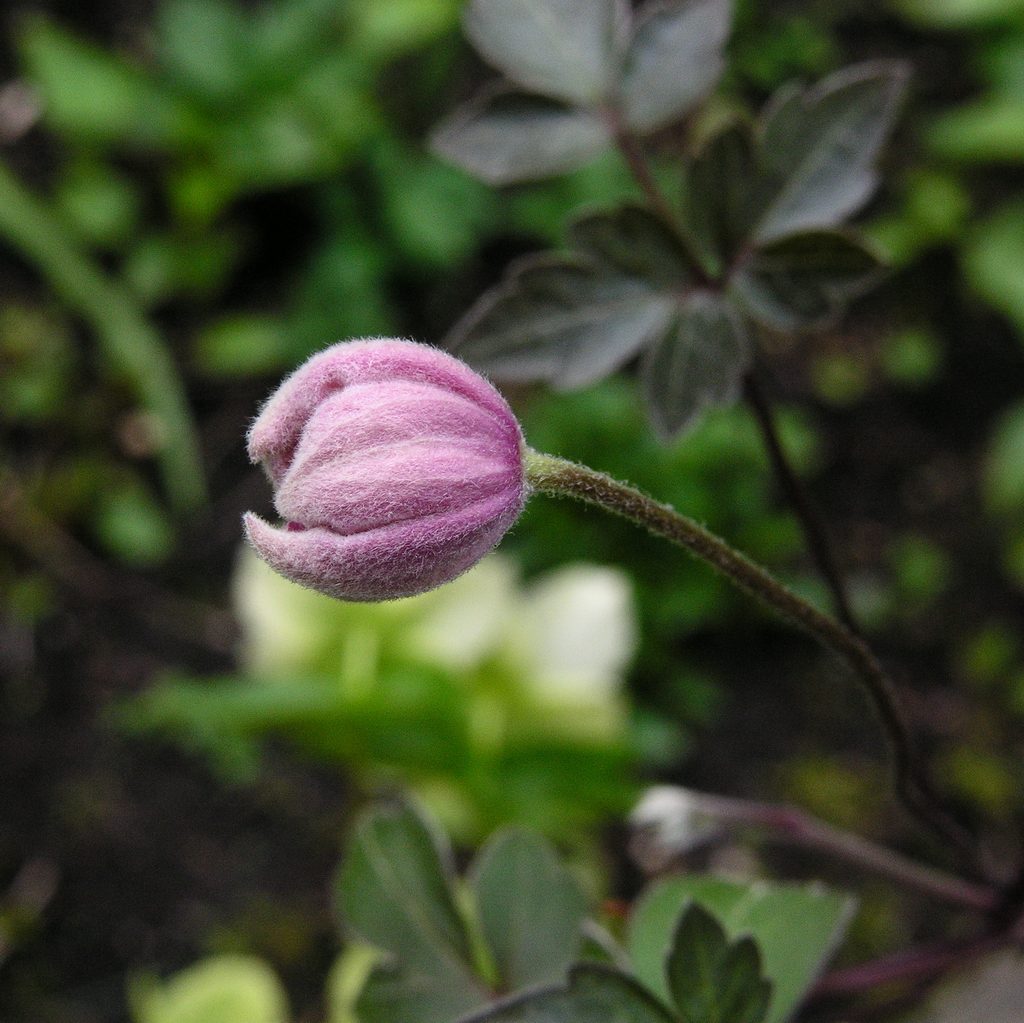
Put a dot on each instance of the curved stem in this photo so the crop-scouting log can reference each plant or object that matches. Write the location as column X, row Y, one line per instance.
column 819, row 543
column 562, row 478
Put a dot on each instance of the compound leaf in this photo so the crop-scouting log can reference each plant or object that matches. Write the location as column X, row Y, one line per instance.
column 675, row 57
column 505, row 137
column 804, row 280
column 531, row 910
column 711, row 978
column 559, row 48
column 819, row 146
column 394, row 892
column 567, row 321
column 797, row 928
column 696, row 365
column 594, row 994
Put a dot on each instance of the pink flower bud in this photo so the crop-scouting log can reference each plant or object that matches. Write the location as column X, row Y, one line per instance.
column 395, row 466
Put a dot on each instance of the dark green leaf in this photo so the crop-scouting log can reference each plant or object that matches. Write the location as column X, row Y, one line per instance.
column 675, row 57
column 634, row 242
column 796, row 928
column 568, row 321
column 804, row 280
column 696, row 365
column 559, row 48
column 394, row 892
column 396, row 993
column 594, row 994
column 531, row 909
column 718, row 207
column 711, row 978
column 819, row 146
column 505, row 137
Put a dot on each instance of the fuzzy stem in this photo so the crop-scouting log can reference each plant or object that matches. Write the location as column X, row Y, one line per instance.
column 561, row 478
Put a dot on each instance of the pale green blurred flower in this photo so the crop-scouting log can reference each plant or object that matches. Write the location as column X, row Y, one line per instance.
column 542, row 663
column 223, row 989
column 564, row 641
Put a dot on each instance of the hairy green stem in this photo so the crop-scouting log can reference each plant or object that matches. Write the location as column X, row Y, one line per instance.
column 561, row 478
column 131, row 344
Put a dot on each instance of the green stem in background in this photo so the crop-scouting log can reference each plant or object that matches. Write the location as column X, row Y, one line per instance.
column 561, row 478
column 819, row 543
column 131, row 344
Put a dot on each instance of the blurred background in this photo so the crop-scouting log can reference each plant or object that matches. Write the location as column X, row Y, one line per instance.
column 197, row 194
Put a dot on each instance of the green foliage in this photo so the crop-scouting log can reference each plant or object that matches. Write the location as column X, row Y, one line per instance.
column 396, row 892
column 710, row 977
column 586, row 67
column 795, row 928
column 494, row 703
column 756, row 227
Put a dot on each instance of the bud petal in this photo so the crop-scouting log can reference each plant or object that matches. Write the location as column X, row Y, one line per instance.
column 395, row 467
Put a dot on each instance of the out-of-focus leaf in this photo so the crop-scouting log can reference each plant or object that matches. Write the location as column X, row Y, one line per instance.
column 505, row 137
column 161, row 266
column 130, row 523
column 954, row 14
column 91, row 94
column 594, row 994
column 224, row 989
column 718, row 207
column 696, row 365
column 566, row 321
column 530, row 907
column 559, row 48
column 436, row 213
column 1004, row 475
column 803, row 281
column 205, row 46
column 988, row 130
column 631, row 241
column 675, row 57
column 393, row 28
column 712, row 978
column 796, row 929
column 993, row 262
column 394, row 891
column 241, row 345
column 992, row 992
column 101, row 205
column 819, row 146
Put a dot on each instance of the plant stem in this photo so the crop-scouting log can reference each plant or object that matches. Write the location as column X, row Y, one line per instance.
column 791, row 824
column 131, row 344
column 915, row 964
column 819, row 543
column 561, row 478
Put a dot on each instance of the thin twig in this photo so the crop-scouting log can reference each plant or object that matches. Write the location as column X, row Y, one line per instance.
column 819, row 543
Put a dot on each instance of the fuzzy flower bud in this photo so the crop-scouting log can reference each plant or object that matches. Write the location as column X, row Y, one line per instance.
column 395, row 468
